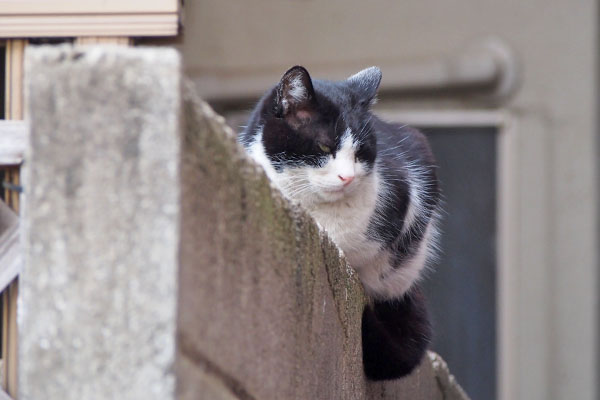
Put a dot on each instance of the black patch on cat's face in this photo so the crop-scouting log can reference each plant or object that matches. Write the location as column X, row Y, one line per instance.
column 303, row 121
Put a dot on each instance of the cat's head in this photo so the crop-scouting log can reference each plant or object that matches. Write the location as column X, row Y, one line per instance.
column 318, row 135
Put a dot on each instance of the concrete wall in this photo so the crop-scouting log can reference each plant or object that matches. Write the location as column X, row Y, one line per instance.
column 125, row 214
column 267, row 309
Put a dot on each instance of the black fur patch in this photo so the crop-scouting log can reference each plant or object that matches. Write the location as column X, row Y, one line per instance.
column 395, row 336
column 400, row 148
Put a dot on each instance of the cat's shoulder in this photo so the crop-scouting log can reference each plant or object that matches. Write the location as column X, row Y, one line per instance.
column 401, row 137
column 387, row 130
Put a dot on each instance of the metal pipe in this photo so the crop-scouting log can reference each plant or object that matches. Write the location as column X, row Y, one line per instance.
column 488, row 67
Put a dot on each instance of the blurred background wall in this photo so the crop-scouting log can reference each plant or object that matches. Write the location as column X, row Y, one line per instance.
column 508, row 94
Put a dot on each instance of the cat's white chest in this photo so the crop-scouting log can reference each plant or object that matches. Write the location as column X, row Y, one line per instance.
column 346, row 222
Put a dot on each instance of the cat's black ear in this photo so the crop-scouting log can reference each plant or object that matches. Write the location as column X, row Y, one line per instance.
column 295, row 94
column 366, row 83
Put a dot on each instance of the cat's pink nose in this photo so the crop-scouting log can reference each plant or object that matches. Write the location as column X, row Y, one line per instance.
column 346, row 179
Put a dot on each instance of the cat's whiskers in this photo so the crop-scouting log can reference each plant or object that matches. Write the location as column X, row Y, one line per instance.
column 297, row 192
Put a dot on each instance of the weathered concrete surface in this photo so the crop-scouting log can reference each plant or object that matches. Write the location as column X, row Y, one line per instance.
column 97, row 307
column 267, row 308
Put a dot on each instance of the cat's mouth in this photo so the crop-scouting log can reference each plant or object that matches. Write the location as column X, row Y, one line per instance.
column 336, row 192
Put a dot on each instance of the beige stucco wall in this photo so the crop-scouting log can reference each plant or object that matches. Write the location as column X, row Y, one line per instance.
column 548, row 316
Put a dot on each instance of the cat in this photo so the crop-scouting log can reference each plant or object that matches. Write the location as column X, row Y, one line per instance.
column 371, row 185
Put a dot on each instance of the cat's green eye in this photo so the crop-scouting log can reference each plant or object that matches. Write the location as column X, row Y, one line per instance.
column 324, row 148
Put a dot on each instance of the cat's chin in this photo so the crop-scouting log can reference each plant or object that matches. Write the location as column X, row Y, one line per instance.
column 334, row 190
column 331, row 196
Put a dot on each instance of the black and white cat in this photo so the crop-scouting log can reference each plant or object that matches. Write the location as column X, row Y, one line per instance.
column 371, row 185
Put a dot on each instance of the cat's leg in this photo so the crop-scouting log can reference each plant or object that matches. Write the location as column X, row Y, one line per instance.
column 395, row 335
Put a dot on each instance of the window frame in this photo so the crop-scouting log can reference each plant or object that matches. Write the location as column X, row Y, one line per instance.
column 13, row 133
column 507, row 273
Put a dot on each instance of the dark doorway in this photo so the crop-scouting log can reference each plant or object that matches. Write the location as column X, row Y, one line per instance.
column 462, row 288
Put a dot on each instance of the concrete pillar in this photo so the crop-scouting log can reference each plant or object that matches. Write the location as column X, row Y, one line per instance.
column 98, row 292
